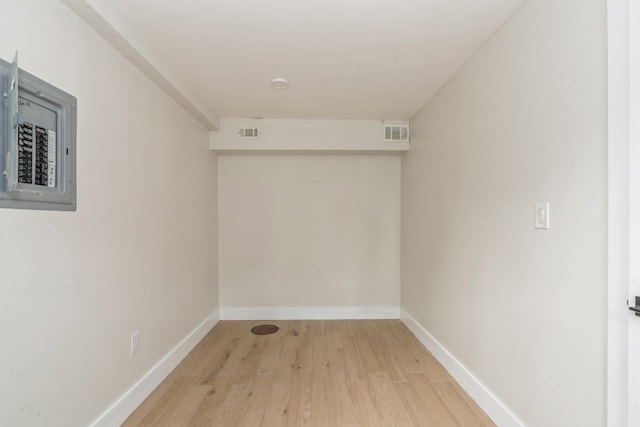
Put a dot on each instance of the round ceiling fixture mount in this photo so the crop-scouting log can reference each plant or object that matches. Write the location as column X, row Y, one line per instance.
column 279, row 84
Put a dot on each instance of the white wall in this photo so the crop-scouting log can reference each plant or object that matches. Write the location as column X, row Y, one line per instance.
column 524, row 121
column 282, row 216
column 139, row 253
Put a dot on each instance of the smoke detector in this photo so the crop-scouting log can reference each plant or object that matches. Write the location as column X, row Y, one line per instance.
column 279, row 84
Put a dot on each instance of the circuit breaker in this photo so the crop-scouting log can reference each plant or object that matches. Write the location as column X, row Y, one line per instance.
column 37, row 142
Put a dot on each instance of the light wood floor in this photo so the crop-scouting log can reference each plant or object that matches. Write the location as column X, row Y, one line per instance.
column 310, row 373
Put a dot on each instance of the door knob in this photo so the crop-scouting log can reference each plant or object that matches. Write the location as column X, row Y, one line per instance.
column 635, row 308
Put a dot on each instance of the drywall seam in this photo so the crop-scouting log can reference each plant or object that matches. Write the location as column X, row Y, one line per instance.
column 120, row 410
column 494, row 408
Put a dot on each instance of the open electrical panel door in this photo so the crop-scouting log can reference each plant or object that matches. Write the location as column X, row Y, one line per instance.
column 37, row 149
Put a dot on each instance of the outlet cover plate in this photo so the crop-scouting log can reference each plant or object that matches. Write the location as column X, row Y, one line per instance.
column 542, row 215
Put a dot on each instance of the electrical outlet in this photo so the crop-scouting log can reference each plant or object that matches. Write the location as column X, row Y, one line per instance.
column 320, row 271
column 542, row 215
column 135, row 342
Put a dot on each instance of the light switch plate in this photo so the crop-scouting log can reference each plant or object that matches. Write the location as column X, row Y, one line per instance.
column 542, row 215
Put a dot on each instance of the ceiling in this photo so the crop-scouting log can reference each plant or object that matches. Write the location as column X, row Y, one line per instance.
column 343, row 59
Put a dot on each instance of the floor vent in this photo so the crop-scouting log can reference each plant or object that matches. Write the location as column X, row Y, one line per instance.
column 264, row 329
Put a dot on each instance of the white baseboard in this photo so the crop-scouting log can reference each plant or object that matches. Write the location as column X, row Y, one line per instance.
column 495, row 409
column 308, row 313
column 120, row 410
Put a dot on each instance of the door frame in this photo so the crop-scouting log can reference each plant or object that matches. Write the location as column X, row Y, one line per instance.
column 619, row 37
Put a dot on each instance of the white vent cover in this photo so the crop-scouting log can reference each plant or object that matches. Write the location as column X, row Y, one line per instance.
column 249, row 133
column 395, row 132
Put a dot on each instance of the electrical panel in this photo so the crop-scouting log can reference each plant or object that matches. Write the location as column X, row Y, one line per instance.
column 37, row 142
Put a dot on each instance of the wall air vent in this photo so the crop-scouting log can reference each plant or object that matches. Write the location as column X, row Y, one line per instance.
column 249, row 133
column 392, row 132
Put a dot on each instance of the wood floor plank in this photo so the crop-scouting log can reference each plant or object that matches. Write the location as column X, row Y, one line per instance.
column 256, row 404
column 361, row 397
column 321, row 362
column 301, row 399
column 328, row 357
column 167, row 404
column 367, row 355
column 250, row 362
column 209, row 361
column 387, row 359
column 433, row 369
column 233, row 404
column 151, row 402
column 278, row 410
column 386, row 400
column 351, row 416
column 414, row 407
column 182, row 412
column 304, row 355
column 430, row 366
column 364, row 373
column 480, row 414
column 340, row 328
column 323, row 408
column 336, row 355
column 287, row 360
column 314, row 328
column 270, row 355
column 464, row 413
column 432, row 402
column 354, row 371
column 243, row 349
column 210, row 406
column 396, row 342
